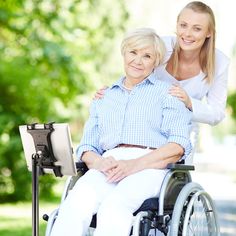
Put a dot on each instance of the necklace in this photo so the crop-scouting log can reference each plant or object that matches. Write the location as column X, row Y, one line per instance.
column 129, row 89
column 123, row 85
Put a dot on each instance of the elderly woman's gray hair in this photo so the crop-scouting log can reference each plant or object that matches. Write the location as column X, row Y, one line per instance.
column 141, row 38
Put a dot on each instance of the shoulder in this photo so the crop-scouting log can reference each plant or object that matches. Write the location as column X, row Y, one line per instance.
column 169, row 42
column 162, row 85
column 116, row 85
column 162, row 89
column 107, row 92
column 111, row 92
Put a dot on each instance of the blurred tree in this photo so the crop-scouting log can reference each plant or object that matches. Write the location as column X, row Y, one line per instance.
column 50, row 53
column 231, row 101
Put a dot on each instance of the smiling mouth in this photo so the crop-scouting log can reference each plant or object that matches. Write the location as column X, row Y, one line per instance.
column 186, row 41
column 136, row 68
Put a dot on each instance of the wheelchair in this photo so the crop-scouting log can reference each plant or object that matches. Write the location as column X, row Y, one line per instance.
column 183, row 207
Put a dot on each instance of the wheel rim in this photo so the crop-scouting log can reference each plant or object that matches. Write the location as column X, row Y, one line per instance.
column 199, row 219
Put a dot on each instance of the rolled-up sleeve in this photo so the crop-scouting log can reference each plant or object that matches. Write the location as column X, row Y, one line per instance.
column 90, row 138
column 176, row 124
column 212, row 111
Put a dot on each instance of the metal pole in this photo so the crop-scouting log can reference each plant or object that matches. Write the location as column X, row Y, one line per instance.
column 35, row 199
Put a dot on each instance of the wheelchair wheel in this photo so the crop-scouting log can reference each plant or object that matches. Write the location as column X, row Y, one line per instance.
column 194, row 213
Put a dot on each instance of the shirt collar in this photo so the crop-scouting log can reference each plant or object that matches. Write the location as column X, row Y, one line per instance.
column 150, row 79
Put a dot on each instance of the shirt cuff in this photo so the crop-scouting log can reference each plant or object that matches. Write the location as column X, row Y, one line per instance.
column 84, row 148
column 184, row 143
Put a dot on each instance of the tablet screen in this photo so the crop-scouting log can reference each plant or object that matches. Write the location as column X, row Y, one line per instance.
column 61, row 146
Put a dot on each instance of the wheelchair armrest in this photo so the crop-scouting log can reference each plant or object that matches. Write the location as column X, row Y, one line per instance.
column 172, row 166
column 81, row 166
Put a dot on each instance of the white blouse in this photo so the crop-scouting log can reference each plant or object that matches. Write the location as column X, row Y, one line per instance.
column 212, row 110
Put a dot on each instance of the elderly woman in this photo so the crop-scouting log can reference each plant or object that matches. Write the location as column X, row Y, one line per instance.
column 132, row 133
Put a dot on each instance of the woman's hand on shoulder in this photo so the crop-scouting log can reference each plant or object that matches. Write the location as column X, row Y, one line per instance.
column 100, row 93
column 176, row 91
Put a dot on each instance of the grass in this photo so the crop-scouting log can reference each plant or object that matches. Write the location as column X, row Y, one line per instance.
column 16, row 219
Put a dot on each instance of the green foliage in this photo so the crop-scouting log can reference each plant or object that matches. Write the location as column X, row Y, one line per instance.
column 51, row 52
column 232, row 103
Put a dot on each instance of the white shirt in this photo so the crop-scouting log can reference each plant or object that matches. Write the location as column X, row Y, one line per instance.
column 211, row 111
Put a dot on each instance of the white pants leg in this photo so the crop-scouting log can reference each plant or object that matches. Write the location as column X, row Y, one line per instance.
column 76, row 211
column 113, row 203
column 115, row 214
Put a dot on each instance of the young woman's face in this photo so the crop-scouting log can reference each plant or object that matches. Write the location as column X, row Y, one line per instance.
column 192, row 30
column 139, row 63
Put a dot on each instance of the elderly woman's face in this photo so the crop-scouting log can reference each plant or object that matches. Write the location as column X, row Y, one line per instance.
column 139, row 63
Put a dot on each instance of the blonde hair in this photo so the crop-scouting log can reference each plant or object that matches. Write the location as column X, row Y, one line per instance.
column 207, row 53
column 142, row 38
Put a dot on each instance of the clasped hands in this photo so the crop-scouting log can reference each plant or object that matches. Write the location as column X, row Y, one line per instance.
column 115, row 170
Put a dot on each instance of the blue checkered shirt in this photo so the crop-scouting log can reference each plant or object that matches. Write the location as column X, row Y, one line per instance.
column 146, row 116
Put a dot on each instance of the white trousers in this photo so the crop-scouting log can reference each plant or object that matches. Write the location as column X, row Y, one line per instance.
column 114, row 203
